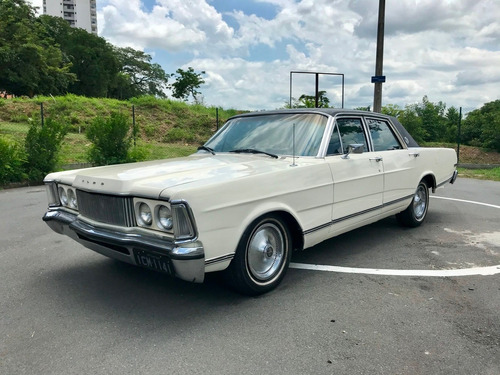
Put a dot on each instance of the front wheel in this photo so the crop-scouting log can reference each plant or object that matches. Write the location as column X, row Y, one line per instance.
column 415, row 213
column 262, row 256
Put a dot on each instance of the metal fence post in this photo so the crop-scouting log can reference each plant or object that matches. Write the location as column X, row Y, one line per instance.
column 41, row 113
column 134, row 130
column 458, row 137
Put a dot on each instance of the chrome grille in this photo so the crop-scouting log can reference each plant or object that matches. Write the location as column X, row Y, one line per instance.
column 109, row 209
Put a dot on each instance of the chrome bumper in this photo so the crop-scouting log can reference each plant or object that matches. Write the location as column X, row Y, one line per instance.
column 454, row 177
column 187, row 259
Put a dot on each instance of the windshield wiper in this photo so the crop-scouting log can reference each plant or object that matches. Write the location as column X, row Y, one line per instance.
column 253, row 151
column 206, row 148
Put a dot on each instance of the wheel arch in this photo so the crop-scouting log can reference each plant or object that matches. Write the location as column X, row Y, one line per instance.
column 294, row 228
column 430, row 179
column 296, row 232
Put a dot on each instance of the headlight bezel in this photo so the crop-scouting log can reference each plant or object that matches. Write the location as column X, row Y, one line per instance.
column 180, row 222
column 61, row 195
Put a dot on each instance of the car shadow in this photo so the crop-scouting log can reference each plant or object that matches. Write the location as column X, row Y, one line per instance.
column 126, row 293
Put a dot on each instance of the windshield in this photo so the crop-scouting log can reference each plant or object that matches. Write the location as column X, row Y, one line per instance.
column 272, row 134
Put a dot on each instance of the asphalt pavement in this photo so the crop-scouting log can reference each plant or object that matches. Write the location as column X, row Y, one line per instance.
column 67, row 310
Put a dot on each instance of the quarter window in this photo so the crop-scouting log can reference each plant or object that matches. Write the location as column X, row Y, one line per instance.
column 334, row 147
column 382, row 136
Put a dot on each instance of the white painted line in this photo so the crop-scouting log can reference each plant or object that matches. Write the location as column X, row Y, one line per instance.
column 464, row 201
column 483, row 271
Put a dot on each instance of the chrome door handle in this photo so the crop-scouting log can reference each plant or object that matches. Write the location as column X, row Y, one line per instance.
column 414, row 154
column 377, row 159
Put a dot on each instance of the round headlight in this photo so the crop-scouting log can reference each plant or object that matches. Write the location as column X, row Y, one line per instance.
column 72, row 199
column 165, row 218
column 145, row 214
column 63, row 197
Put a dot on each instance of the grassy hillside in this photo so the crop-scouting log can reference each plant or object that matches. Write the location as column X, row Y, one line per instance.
column 166, row 128
column 157, row 119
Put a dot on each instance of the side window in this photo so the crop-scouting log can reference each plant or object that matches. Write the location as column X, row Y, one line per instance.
column 351, row 131
column 382, row 136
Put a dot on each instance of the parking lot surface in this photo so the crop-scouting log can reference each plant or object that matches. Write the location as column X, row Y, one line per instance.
column 379, row 300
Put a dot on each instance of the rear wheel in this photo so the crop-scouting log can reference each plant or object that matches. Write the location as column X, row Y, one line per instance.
column 262, row 256
column 416, row 212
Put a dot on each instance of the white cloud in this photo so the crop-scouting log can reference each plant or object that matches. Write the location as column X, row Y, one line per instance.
column 448, row 50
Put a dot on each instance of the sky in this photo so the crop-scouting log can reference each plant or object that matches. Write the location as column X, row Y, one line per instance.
column 448, row 50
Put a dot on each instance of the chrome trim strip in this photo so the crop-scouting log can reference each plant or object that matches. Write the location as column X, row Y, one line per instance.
column 222, row 258
column 336, row 221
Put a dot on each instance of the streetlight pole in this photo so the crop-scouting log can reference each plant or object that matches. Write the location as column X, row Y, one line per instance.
column 379, row 62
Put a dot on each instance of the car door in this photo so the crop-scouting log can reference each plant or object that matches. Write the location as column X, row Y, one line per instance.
column 357, row 177
column 399, row 164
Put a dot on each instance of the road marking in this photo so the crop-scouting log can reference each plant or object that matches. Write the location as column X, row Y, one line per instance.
column 465, row 201
column 482, row 271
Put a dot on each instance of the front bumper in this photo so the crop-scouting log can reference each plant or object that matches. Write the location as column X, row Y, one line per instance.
column 187, row 259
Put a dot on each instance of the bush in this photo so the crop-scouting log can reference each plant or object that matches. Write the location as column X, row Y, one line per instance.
column 110, row 138
column 42, row 146
column 139, row 153
column 11, row 161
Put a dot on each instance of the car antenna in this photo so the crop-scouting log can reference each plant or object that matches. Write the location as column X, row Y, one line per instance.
column 293, row 146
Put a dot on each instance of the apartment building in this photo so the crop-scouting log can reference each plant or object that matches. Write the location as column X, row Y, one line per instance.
column 79, row 13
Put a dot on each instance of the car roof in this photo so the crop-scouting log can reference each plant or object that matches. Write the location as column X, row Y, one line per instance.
column 326, row 111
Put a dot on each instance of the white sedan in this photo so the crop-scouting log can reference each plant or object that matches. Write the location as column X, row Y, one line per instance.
column 265, row 184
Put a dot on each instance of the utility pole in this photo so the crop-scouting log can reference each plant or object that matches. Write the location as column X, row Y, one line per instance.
column 378, row 79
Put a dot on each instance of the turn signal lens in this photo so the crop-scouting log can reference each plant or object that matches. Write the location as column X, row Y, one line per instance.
column 52, row 194
column 183, row 226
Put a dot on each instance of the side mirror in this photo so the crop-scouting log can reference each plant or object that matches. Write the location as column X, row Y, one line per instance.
column 354, row 148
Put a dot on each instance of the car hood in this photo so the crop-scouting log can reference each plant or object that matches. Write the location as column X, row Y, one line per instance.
column 153, row 177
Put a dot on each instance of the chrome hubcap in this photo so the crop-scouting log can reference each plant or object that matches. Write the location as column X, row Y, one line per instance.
column 265, row 252
column 420, row 202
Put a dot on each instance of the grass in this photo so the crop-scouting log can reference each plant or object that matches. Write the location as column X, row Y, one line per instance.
column 480, row 174
column 167, row 128
column 162, row 120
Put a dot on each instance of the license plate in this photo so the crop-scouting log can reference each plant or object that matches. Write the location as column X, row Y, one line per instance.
column 152, row 261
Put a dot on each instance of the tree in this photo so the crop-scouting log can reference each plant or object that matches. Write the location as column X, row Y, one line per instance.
column 138, row 76
column 309, row 101
column 93, row 60
column 413, row 123
column 482, row 126
column 433, row 120
column 392, row 110
column 30, row 62
column 187, row 83
column 452, row 117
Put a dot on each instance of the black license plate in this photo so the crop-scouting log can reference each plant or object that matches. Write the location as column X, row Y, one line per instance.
column 152, row 261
